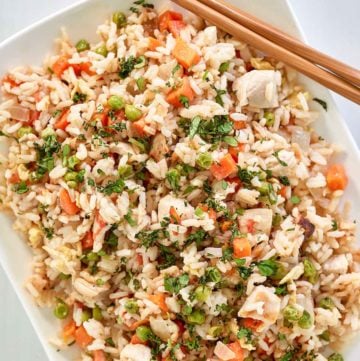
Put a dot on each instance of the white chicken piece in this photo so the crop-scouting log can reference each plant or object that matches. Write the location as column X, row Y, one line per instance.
column 258, row 88
column 260, row 217
column 336, row 264
column 262, row 305
column 185, row 211
column 165, row 329
column 159, row 147
column 223, row 352
column 135, row 353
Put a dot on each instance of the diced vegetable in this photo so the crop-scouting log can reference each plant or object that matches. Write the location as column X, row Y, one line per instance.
column 61, row 310
column 132, row 113
column 252, row 323
column 336, row 177
column 82, row 45
column 327, row 303
column 131, row 306
column 175, row 27
column 119, row 19
column 66, row 204
column 224, row 168
column 62, row 122
column 82, row 67
column 305, row 321
column 174, row 216
column 159, row 299
column 234, row 151
column 291, row 314
column 184, row 54
column 69, row 330
column 238, row 351
column 82, row 338
column 310, row 272
column 138, row 128
column 97, row 313
column 24, row 131
column 197, row 317
column 143, row 333
column 135, row 340
column 202, row 293
column 102, row 50
column 154, row 43
column 136, row 324
column 116, row 103
column 335, row 357
column 204, row 160
column 238, row 125
column 242, row 247
column 61, row 64
column 166, row 17
column 99, row 355
column 185, row 90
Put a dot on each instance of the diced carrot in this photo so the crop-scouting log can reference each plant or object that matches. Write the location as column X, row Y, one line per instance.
column 99, row 355
column 88, row 241
column 34, row 115
column 235, row 180
column 250, row 225
column 238, row 351
column 117, row 117
column 66, row 204
column 185, row 90
column 210, row 211
column 242, row 247
column 136, row 324
column 282, row 191
column 159, row 299
column 252, row 323
column 166, row 17
column 61, row 64
column 225, row 226
column 154, row 43
column 62, row 122
column 14, row 178
column 224, row 168
column 139, row 128
column 234, row 151
column 135, row 340
column 82, row 338
column 336, row 177
column 139, row 259
column 82, row 67
column 69, row 330
column 174, row 216
column 8, row 79
column 185, row 55
column 99, row 225
column 175, row 27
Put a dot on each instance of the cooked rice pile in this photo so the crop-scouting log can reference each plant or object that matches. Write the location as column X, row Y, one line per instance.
column 199, row 221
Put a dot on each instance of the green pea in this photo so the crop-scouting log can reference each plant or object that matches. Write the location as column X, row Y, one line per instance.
column 335, row 357
column 119, row 19
column 97, row 313
column 327, row 303
column 70, row 176
column 72, row 184
column 305, row 320
column 310, row 272
column 116, row 103
column 85, row 315
column 141, row 83
column 204, row 160
column 73, row 161
column 82, row 45
column 270, row 118
column 131, row 306
column 132, row 113
column 24, row 131
column 47, row 132
column 197, row 317
column 102, row 50
column 276, row 220
column 61, row 310
column 140, row 62
column 291, row 313
column 325, row 336
column 202, row 293
column 92, row 257
column 125, row 171
column 213, row 274
column 215, row 331
column 144, row 333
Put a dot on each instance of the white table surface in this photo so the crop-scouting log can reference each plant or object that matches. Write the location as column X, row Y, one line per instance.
column 330, row 26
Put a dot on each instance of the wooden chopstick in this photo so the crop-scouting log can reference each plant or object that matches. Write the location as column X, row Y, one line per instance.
column 302, row 65
column 277, row 36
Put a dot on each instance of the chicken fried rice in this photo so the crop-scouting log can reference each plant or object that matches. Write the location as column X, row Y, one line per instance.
column 178, row 202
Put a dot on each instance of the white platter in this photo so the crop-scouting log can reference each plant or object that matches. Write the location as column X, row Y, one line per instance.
column 32, row 44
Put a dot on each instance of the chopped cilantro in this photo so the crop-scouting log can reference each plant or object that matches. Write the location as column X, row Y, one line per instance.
column 175, row 284
column 79, row 97
column 20, row 188
column 112, row 187
column 322, row 103
column 276, row 155
column 284, row 180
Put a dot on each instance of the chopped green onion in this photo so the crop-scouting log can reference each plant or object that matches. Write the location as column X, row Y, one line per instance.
column 24, row 131
column 325, row 336
column 295, row 200
column 224, row 67
column 231, row 141
column 140, row 62
column 131, row 306
column 310, row 272
column 213, row 274
column 116, row 103
column 47, row 132
column 125, row 171
column 73, row 161
column 144, row 333
column 82, row 45
column 197, row 317
column 204, row 160
column 327, row 303
column 202, row 293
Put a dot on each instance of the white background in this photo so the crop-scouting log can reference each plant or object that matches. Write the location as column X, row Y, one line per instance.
column 330, row 26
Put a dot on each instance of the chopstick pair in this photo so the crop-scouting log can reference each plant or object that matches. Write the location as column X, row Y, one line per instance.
column 329, row 72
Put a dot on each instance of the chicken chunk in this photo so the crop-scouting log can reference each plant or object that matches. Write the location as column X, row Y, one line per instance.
column 260, row 219
column 262, row 305
column 165, row 329
column 135, row 353
column 223, row 352
column 336, row 264
column 258, row 88
column 159, row 147
column 186, row 211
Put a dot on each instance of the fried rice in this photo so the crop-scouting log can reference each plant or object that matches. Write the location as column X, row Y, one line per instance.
column 178, row 202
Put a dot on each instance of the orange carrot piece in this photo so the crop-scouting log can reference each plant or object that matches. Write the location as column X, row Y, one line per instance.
column 139, row 259
column 174, row 216
column 8, row 79
column 154, row 43
column 139, row 128
column 136, row 324
column 185, row 90
column 66, row 204
column 234, row 151
column 69, row 330
column 175, row 27
column 82, row 338
column 252, row 323
column 282, row 191
column 225, row 226
column 14, row 178
column 242, row 247
column 88, row 241
column 238, row 351
column 82, row 67
column 336, row 177
column 62, row 122
column 159, row 299
column 99, row 355
column 61, row 64
column 166, row 17
column 224, row 168
column 135, row 340
column 185, row 55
